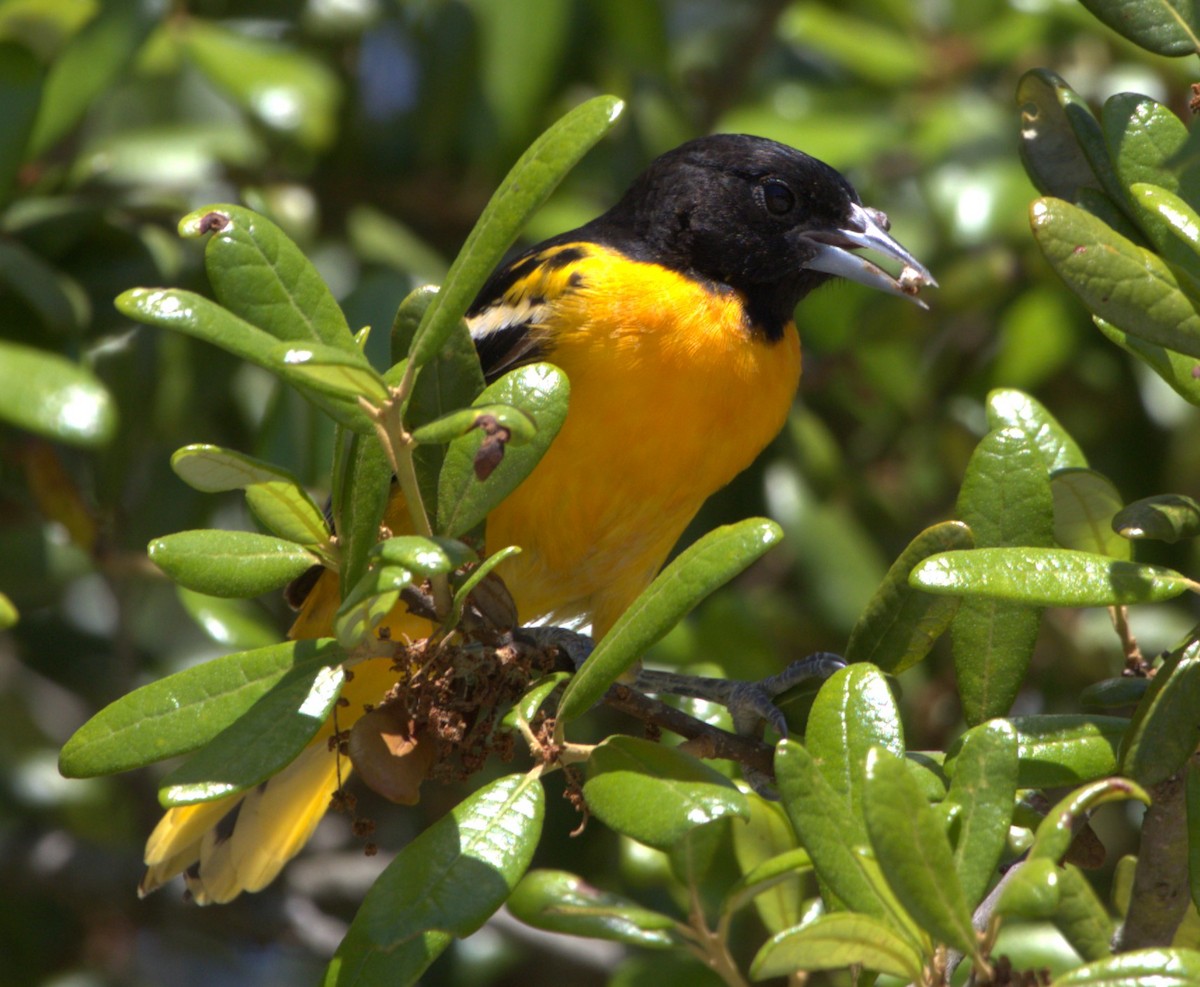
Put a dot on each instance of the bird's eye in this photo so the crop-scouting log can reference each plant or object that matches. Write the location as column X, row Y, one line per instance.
column 777, row 197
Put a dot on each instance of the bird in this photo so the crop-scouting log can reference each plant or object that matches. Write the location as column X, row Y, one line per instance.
column 673, row 317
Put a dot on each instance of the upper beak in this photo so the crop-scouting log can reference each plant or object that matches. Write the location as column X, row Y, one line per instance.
column 868, row 228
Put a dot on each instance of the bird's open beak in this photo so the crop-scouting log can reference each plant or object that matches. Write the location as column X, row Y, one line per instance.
column 868, row 228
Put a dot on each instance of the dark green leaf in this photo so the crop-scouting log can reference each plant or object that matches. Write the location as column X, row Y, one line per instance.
column 184, row 711
column 899, row 626
column 1161, row 26
column 656, row 794
column 1192, row 799
column 1166, row 725
column 1060, row 139
column 21, row 81
column 913, row 852
column 1145, row 140
column 362, row 486
column 229, row 563
column 48, row 394
column 542, row 393
column 559, row 901
column 446, row 882
column 1113, row 695
column 1164, row 517
column 527, row 185
column 710, row 562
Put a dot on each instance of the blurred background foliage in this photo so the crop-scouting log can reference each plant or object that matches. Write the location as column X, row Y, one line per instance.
column 373, row 132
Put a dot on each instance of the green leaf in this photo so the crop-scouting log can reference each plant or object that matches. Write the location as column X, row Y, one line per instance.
column 56, row 300
column 1033, row 892
column 194, row 315
column 368, row 603
column 1055, row 833
column 288, row 90
column 21, row 92
column 1161, row 26
column 854, row 712
column 446, row 882
column 1145, row 140
column 559, row 901
column 655, row 794
column 235, row 624
column 899, row 626
column 459, row 423
column 1122, row 283
column 229, row 563
column 526, row 708
column 343, row 374
column 263, row 740
column 914, row 854
column 260, row 275
column 1112, row 695
column 362, row 490
column 524, row 189
column 1166, row 725
column 48, row 394
column 1061, row 142
column 1085, row 503
column 763, row 842
column 468, row 585
column 1081, row 917
column 8, row 613
column 1178, row 370
column 1192, row 800
column 1010, row 408
column 426, row 556
column 1051, row 577
column 184, row 711
column 1164, row 517
column 1161, row 967
column 833, row 942
column 1061, row 749
column 980, row 803
column 212, row 469
column 541, row 392
column 1005, row 499
column 710, row 562
column 286, row 510
column 1173, row 227
column 90, row 63
column 822, row 822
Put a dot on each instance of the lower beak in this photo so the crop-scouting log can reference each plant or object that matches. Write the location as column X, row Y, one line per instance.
column 867, row 228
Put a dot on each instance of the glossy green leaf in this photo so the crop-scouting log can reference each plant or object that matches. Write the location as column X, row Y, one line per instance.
column 340, row 373
column 229, row 563
column 767, row 836
column 1055, row 833
column 1166, row 725
column 559, row 901
column 22, row 79
column 362, row 489
column 1113, row 695
column 52, row 396
column 1164, row 517
column 822, row 821
column 1006, row 500
column 1010, row 408
column 184, row 711
column 1165, row 27
column 524, row 189
column 1062, row 145
column 89, row 64
column 285, row 509
column 1161, row 967
column 1051, row 577
column 1173, row 227
column 709, row 562
column 262, row 741
column 1085, row 503
column 913, row 852
column 211, row 469
column 426, row 556
column 1122, row 283
column 835, row 941
column 899, row 626
column 1081, row 917
column 1033, row 892
column 194, row 315
column 446, row 882
column 260, row 275
column 896, row 915
column 1180, row 371
column 980, row 801
column 1061, row 749
column 1145, row 140
column 368, row 603
column 854, row 712
column 656, row 794
column 542, row 393
column 458, row 423
column 286, row 89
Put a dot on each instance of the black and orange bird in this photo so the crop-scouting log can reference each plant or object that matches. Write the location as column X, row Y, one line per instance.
column 672, row 315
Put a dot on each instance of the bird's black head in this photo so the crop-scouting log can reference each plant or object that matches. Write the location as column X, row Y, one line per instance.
column 761, row 217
